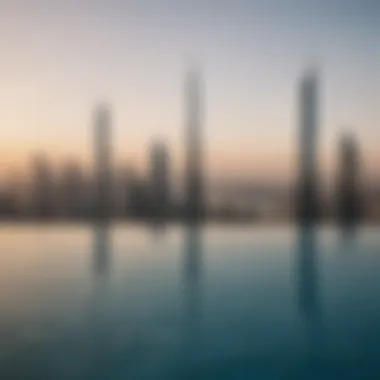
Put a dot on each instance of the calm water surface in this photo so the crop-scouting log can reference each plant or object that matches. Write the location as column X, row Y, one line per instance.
column 132, row 302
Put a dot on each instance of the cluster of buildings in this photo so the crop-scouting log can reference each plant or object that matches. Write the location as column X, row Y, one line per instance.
column 103, row 192
column 347, row 202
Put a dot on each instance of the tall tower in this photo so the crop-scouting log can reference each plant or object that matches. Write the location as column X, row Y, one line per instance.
column 348, row 197
column 160, row 180
column 103, row 167
column 308, row 202
column 194, row 187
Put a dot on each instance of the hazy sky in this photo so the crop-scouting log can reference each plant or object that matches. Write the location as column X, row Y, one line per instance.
column 59, row 57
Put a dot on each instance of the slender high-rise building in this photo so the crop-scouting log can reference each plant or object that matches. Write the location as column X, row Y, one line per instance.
column 307, row 196
column 160, row 181
column 348, row 197
column 194, row 186
column 103, row 167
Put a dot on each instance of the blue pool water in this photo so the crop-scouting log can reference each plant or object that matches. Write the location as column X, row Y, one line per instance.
column 218, row 302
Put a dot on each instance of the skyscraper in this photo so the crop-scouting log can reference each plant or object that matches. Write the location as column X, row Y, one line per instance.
column 194, row 187
column 103, row 167
column 307, row 196
column 348, row 197
column 160, row 181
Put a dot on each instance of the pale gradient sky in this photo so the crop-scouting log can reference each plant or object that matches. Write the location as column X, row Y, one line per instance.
column 59, row 57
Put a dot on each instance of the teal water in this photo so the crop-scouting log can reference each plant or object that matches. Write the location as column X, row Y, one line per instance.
column 221, row 302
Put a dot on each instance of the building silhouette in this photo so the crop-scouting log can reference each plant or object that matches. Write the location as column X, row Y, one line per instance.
column 71, row 190
column 11, row 196
column 307, row 192
column 8, row 203
column 120, row 194
column 159, row 181
column 127, row 184
column 138, row 198
column 102, row 162
column 43, row 188
column 194, row 207
column 348, row 192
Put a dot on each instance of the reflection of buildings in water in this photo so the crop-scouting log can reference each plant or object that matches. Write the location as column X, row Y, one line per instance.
column 101, row 250
column 192, row 276
column 158, row 229
column 308, row 272
column 309, row 298
column 100, row 334
column 348, row 235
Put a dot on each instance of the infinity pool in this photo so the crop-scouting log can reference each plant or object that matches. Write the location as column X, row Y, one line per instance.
column 218, row 302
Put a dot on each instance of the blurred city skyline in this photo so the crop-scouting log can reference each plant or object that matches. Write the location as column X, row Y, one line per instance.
column 189, row 189
column 61, row 57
